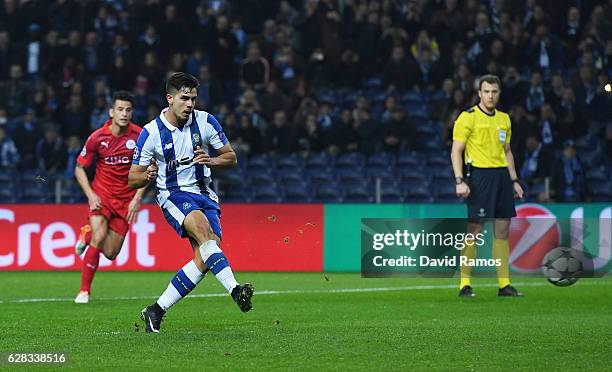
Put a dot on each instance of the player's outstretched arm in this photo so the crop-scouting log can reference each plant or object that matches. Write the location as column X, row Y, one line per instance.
column 140, row 176
column 226, row 157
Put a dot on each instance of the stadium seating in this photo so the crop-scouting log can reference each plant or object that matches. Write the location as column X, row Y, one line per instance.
column 290, row 161
column 327, row 193
column 391, row 193
column 358, row 193
column 320, row 176
column 381, row 159
column 601, row 190
column 36, row 193
column 8, row 193
column 297, row 193
column 267, row 193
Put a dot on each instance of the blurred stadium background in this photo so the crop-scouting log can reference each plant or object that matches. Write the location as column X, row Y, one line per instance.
column 339, row 110
column 325, row 101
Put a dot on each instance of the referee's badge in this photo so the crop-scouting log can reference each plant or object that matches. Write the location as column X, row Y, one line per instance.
column 502, row 136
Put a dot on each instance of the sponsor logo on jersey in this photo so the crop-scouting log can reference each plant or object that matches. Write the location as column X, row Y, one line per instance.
column 84, row 151
column 168, row 146
column 130, row 144
column 114, row 160
column 104, row 144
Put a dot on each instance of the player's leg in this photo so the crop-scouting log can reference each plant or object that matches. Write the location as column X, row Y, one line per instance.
column 118, row 228
column 83, row 240
column 479, row 206
column 112, row 244
column 184, row 281
column 207, row 256
column 91, row 259
column 214, row 259
column 501, row 249
column 468, row 252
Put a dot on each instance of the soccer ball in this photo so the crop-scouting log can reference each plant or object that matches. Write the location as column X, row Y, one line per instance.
column 561, row 267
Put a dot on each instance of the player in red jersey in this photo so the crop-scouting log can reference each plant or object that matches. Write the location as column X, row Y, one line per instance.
column 112, row 203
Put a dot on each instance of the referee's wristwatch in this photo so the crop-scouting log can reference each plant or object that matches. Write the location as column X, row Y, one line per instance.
column 459, row 180
column 516, row 180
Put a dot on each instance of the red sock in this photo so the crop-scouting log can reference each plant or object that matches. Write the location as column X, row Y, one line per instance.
column 90, row 265
column 88, row 237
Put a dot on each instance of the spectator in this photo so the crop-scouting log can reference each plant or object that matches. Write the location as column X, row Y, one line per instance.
column 195, row 61
column 309, row 137
column 223, row 49
column 9, row 156
column 51, row 155
column 98, row 115
column 26, row 136
column 550, row 132
column 120, row 76
column 399, row 133
column 149, row 41
column 7, row 54
column 74, row 119
column 534, row 164
column 441, row 101
column 15, row 93
column 152, row 72
column 457, row 105
column 72, row 152
column 608, row 143
column 254, row 69
column 272, row 100
column 350, row 71
column 395, row 71
column 248, row 137
column 535, row 93
column 94, row 56
column 569, row 179
column 279, row 137
column 210, row 91
column 346, row 138
column 366, row 129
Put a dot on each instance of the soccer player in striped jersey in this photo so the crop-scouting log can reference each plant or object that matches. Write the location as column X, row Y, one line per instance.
column 171, row 150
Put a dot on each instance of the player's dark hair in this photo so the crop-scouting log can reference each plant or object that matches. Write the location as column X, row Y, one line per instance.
column 179, row 80
column 491, row 79
column 122, row 95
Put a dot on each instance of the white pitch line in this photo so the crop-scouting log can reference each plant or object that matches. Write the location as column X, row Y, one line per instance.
column 294, row 291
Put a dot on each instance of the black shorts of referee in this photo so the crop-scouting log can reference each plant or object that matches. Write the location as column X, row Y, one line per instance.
column 491, row 194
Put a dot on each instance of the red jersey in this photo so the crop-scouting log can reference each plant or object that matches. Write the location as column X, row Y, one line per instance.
column 114, row 159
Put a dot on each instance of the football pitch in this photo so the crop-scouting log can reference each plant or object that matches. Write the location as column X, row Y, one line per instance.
column 310, row 322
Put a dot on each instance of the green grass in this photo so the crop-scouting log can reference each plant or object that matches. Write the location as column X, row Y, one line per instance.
column 313, row 328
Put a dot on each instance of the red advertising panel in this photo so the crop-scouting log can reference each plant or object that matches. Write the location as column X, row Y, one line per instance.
column 265, row 237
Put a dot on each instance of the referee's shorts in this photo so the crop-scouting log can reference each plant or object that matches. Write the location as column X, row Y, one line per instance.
column 491, row 194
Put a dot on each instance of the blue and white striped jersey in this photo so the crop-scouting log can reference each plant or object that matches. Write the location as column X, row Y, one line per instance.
column 173, row 149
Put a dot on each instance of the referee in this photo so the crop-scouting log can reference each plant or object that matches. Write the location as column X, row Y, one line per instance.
column 490, row 183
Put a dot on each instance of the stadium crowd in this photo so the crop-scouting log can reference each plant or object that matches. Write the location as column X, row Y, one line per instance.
column 312, row 76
